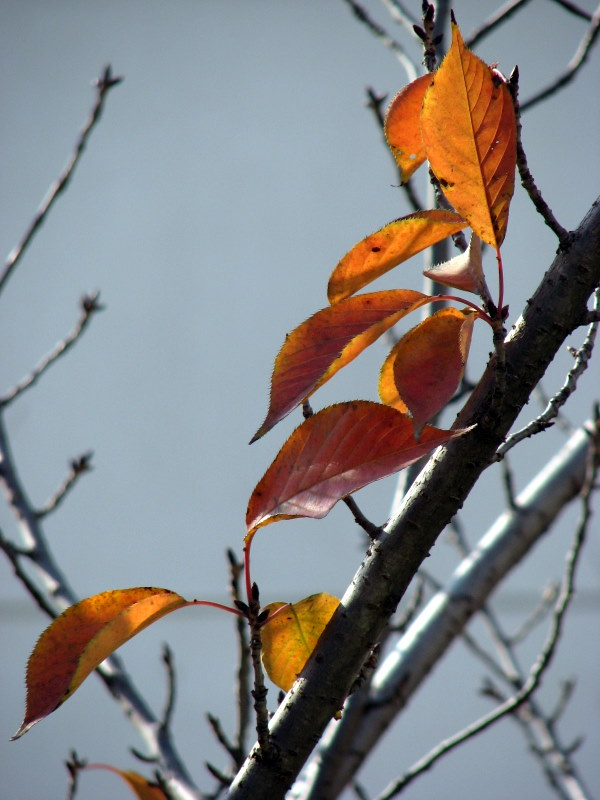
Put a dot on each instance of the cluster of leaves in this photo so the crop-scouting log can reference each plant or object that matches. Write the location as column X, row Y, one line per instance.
column 461, row 120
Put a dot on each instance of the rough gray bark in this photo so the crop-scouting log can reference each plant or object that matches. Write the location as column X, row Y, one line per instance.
column 556, row 309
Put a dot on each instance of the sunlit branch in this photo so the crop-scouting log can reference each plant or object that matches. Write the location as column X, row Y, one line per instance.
column 389, row 42
column 573, row 66
column 89, row 306
column 400, row 14
column 103, row 85
column 499, row 16
column 540, row 423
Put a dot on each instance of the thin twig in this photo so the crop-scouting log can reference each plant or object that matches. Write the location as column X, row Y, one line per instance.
column 74, row 766
column 491, row 23
column 573, row 9
column 540, row 423
column 89, row 306
column 14, row 554
column 573, row 66
column 244, row 666
column 539, row 613
column 389, row 42
column 103, row 85
column 259, row 693
column 79, row 466
column 167, row 715
column 544, row 658
column 373, row 531
column 400, row 14
column 542, row 207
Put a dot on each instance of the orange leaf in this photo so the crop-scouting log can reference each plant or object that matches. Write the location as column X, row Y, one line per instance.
column 141, row 787
column 464, row 271
column 429, row 361
column 81, row 638
column 469, row 131
column 402, row 126
column 333, row 453
column 388, row 247
column 329, row 340
column 290, row 638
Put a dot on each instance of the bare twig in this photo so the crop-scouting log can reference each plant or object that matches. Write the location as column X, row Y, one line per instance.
column 259, row 693
column 79, row 466
column 539, row 613
column 74, row 766
column 373, row 531
column 167, row 715
column 573, row 9
column 243, row 671
column 499, row 16
column 544, row 658
column 103, row 85
column 540, row 423
column 542, row 207
column 573, row 66
column 400, row 14
column 89, row 306
column 389, row 42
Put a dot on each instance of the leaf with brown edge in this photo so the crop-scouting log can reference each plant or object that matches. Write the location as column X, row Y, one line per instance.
column 333, row 453
column 386, row 248
column 429, row 362
column 464, row 271
column 402, row 126
column 290, row 638
column 81, row 638
column 142, row 788
column 328, row 341
column 469, row 132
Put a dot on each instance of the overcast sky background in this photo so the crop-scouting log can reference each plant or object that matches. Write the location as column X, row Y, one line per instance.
column 232, row 169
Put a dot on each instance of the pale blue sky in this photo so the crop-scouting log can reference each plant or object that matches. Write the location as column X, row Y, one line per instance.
column 232, row 169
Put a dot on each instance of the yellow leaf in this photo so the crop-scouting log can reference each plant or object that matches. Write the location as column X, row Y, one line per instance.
column 403, row 126
column 290, row 638
column 386, row 248
column 469, row 132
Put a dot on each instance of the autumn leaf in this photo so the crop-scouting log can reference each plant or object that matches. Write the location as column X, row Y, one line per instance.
column 386, row 248
column 140, row 786
column 328, row 341
column 81, row 638
column 427, row 364
column 402, row 126
column 469, row 132
column 290, row 638
column 464, row 271
column 333, row 453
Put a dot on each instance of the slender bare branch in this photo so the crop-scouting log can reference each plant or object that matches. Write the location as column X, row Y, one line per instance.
column 392, row 44
column 499, row 16
column 574, row 9
column 103, row 85
column 573, row 66
column 540, row 423
column 89, row 306
column 401, row 15
column 79, row 466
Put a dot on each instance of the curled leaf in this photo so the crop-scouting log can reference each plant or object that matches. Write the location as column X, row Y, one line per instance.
column 290, row 638
column 386, row 248
column 328, row 341
column 402, row 126
column 429, row 361
column 333, row 453
column 469, row 132
column 464, row 271
column 81, row 638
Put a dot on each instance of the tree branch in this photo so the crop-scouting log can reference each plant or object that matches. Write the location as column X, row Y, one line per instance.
column 103, row 85
column 432, row 501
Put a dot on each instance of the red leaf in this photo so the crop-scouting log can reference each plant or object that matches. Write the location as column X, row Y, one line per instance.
column 329, row 340
column 429, row 362
column 333, row 453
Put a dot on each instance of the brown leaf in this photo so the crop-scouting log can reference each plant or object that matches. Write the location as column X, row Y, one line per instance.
column 290, row 638
column 469, row 132
column 386, row 248
column 327, row 341
column 333, row 453
column 403, row 126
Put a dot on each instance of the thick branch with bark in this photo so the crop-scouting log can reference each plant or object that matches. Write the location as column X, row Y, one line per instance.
column 551, row 315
